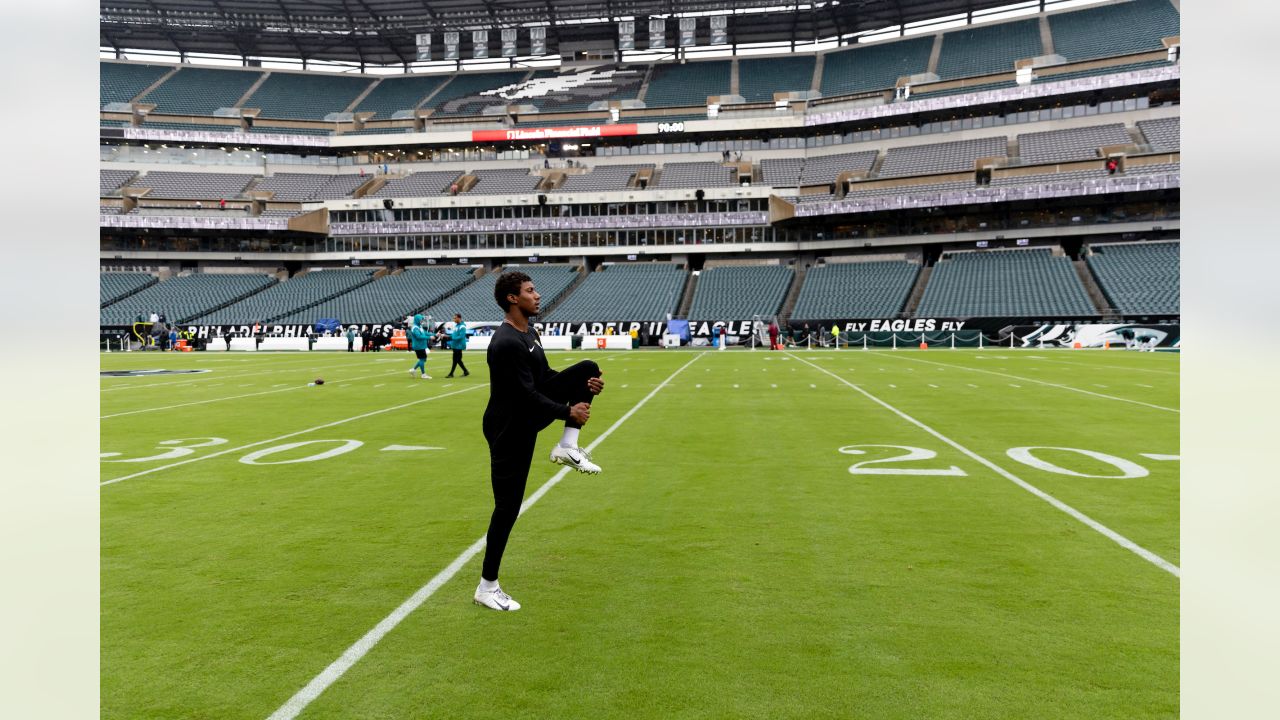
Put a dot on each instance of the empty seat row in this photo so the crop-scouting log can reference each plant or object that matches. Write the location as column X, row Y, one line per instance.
column 1029, row 283
column 193, row 185
column 1163, row 134
column 1139, row 278
column 184, row 298
column 288, row 297
column 696, row 175
column 112, row 286
column 740, row 291
column 476, row 302
column 1081, row 143
column 957, row 156
column 873, row 289
column 389, row 298
column 628, row 291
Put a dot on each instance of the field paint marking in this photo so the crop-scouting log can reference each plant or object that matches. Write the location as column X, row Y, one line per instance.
column 971, row 385
column 379, row 385
column 1158, row 456
column 236, row 376
column 1050, row 384
column 1107, row 532
column 1113, row 367
column 289, row 435
column 398, row 448
column 361, row 647
column 1015, row 386
column 220, row 399
column 1099, row 385
column 1145, row 386
column 932, row 385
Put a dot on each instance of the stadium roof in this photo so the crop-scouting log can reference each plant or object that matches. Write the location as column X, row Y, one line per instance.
column 382, row 32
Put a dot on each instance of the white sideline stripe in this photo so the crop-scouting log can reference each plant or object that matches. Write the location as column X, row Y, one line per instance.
column 1113, row 367
column 361, row 647
column 1050, row 384
column 230, row 397
column 1157, row 456
column 286, row 436
column 1107, row 532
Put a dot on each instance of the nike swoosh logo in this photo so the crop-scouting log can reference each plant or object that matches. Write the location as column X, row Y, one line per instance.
column 577, row 460
column 504, row 607
column 530, row 349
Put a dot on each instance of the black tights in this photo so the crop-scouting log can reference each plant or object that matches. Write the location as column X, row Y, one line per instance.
column 457, row 363
column 511, row 443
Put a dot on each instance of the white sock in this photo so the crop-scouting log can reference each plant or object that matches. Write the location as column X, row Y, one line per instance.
column 570, row 437
column 488, row 585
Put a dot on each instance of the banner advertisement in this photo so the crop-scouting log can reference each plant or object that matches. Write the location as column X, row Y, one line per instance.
column 870, row 333
column 583, row 131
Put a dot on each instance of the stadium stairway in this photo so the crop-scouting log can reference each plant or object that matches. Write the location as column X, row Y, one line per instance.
column 817, row 72
column 917, row 291
column 252, row 89
column 686, row 299
column 1091, row 287
column 793, row 294
column 159, row 81
column 1046, row 35
column 582, row 275
column 644, row 86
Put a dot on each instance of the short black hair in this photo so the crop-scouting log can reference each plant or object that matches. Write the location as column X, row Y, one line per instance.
column 509, row 283
column 458, row 315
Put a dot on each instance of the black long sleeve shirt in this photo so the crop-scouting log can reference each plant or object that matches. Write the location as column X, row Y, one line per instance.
column 517, row 366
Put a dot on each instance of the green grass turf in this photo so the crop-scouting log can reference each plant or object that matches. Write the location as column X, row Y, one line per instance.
column 726, row 564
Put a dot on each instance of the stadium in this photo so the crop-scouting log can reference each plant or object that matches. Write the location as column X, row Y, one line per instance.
column 885, row 298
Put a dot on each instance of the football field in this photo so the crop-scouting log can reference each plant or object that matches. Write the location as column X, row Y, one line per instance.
column 808, row 534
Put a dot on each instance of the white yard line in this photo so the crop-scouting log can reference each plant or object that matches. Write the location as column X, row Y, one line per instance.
column 1113, row 367
column 361, row 647
column 229, row 397
column 1107, row 532
column 1045, row 382
column 287, row 435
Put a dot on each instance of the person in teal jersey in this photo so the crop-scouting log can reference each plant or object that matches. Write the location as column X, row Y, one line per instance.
column 458, row 343
column 419, row 340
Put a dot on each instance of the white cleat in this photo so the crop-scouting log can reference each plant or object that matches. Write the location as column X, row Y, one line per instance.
column 413, row 371
column 574, row 457
column 496, row 600
column 426, row 376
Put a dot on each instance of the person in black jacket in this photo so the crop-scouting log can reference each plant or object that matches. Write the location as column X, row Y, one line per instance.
column 525, row 396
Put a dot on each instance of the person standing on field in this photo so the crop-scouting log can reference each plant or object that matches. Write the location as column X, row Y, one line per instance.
column 419, row 340
column 525, row 396
column 458, row 343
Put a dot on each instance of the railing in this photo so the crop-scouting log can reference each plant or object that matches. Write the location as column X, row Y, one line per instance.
column 990, row 194
column 610, row 222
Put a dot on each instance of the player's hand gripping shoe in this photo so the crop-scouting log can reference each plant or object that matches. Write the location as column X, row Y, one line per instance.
column 574, row 457
column 496, row 600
